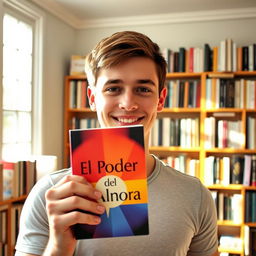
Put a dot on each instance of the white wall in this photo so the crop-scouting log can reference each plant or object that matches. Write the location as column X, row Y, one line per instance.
column 59, row 43
column 173, row 36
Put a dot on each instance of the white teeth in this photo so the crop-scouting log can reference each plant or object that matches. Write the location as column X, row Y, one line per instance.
column 125, row 120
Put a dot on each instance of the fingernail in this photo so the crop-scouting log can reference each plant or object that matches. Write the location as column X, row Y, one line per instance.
column 100, row 208
column 97, row 220
column 98, row 194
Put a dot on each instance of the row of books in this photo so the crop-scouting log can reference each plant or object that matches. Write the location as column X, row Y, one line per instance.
column 16, row 178
column 3, row 230
column 84, row 123
column 230, row 243
column 183, row 163
column 227, row 134
column 230, row 93
column 249, row 241
column 183, row 94
column 77, row 94
column 230, row 170
column 222, row 133
column 226, row 57
column 229, row 206
column 250, row 206
column 15, row 212
column 183, row 132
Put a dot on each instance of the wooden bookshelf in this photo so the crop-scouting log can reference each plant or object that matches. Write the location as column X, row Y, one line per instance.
column 7, row 206
column 200, row 152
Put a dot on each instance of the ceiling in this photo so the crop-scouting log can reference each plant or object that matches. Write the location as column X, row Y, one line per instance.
column 81, row 12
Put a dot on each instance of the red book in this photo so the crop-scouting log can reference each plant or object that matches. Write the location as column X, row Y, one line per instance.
column 191, row 59
column 113, row 161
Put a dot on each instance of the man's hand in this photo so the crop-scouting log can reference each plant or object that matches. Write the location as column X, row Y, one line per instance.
column 62, row 201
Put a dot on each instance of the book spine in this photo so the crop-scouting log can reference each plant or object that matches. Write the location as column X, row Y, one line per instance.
column 253, row 171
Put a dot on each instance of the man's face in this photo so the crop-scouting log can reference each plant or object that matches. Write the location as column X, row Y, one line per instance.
column 127, row 94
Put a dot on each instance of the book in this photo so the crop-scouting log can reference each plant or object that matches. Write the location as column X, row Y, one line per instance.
column 77, row 65
column 113, row 161
column 1, row 182
column 253, row 171
column 237, row 170
column 8, row 175
column 247, row 170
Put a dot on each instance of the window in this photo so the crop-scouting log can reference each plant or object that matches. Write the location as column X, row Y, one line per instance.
column 20, row 88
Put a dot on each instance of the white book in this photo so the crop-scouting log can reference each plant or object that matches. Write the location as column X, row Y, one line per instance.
column 221, row 206
column 182, row 163
column 236, row 207
column 223, row 56
column 242, row 88
column 188, row 132
column 208, row 96
column 208, row 171
column 234, row 53
column 247, row 170
column 250, row 53
column 177, row 163
column 183, row 132
column 155, row 133
column 226, row 171
column 246, row 240
column 220, row 125
column 166, row 131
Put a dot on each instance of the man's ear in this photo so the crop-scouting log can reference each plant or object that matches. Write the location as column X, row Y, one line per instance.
column 91, row 97
column 161, row 99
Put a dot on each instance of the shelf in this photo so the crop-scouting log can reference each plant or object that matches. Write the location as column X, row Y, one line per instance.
column 76, row 77
column 85, row 110
column 230, row 150
column 181, row 110
column 250, row 224
column 13, row 200
column 222, row 249
column 226, row 187
column 175, row 149
column 183, row 75
column 228, row 223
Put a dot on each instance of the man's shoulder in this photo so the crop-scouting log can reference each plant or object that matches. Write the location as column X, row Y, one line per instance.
column 58, row 175
column 168, row 171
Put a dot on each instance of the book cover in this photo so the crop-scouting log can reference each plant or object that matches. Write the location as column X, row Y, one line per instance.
column 237, row 169
column 8, row 180
column 253, row 171
column 113, row 161
column 77, row 65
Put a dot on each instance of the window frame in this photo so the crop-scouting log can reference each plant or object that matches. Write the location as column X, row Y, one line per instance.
column 30, row 14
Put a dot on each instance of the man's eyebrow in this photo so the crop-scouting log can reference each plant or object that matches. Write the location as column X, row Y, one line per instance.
column 113, row 81
column 146, row 81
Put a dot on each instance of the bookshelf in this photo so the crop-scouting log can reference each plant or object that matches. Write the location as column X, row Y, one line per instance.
column 9, row 213
column 200, row 152
column 16, row 181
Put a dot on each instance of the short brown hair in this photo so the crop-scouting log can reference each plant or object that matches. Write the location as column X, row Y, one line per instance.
column 120, row 46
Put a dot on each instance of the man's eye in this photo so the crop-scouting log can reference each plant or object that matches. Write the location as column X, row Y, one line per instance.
column 143, row 89
column 113, row 89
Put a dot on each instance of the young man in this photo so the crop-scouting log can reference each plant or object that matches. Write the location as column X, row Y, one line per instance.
column 126, row 75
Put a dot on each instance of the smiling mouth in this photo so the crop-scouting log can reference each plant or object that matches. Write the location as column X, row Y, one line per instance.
column 128, row 120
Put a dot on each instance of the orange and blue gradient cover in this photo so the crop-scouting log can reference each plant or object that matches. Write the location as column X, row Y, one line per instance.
column 113, row 161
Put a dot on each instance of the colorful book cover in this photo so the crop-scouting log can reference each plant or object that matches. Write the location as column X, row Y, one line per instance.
column 113, row 161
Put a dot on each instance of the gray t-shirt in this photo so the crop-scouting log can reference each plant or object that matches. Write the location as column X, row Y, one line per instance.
column 182, row 220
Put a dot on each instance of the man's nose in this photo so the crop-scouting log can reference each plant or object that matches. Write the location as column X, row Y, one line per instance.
column 128, row 101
